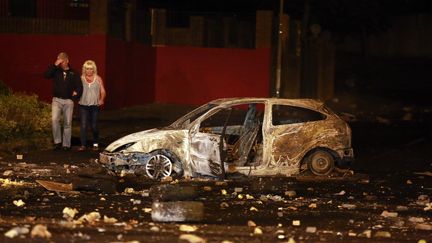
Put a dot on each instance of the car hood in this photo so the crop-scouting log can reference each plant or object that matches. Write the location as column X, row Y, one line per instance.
column 131, row 138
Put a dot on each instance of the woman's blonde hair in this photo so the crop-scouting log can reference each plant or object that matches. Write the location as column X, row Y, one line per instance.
column 89, row 64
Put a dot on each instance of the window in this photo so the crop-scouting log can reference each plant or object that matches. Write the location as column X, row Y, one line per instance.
column 23, row 8
column 177, row 19
column 284, row 114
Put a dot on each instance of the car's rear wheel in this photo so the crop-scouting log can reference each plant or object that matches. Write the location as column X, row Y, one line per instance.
column 321, row 162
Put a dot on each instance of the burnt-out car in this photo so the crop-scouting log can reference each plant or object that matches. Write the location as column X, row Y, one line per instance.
column 251, row 136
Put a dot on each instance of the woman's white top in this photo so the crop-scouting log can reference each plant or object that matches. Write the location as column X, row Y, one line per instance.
column 91, row 91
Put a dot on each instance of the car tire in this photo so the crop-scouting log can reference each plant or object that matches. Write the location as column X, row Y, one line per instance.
column 321, row 162
column 177, row 211
column 161, row 165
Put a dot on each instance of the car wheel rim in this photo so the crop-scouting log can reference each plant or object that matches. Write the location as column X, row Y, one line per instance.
column 321, row 164
column 159, row 166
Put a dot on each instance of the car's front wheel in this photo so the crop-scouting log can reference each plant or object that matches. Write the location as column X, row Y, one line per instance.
column 161, row 164
column 321, row 162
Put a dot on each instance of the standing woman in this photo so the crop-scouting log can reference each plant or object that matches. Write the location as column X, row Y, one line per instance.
column 92, row 98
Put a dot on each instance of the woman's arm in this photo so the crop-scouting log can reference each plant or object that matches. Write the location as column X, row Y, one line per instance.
column 102, row 94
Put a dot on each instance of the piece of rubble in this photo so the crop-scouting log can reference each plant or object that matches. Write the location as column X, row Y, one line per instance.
column 89, row 218
column 348, row 206
column 187, row 228
column 311, row 229
column 154, row 229
column 69, row 213
column 258, row 231
column 312, row 205
column 207, row 188
column 41, row 231
column 253, row 209
column 296, row 223
column 56, row 186
column 366, row 233
column 387, row 214
column 341, row 193
column 423, row 227
column 109, row 220
column 416, row 219
column 19, row 156
column 251, row 223
column 7, row 173
column 428, row 207
column 192, row 238
column 422, row 200
column 290, row 193
column 224, row 205
column 18, row 203
column 401, row 208
column 382, row 234
column 16, row 231
column 238, row 189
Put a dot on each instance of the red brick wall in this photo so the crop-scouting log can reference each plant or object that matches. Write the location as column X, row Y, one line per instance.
column 190, row 75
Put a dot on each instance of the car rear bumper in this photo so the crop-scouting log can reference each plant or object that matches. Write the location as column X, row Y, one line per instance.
column 346, row 157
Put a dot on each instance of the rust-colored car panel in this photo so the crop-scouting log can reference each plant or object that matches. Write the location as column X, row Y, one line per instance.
column 252, row 136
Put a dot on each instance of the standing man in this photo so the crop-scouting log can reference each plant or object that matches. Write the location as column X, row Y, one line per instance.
column 67, row 87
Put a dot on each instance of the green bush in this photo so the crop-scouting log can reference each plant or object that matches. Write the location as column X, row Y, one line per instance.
column 24, row 121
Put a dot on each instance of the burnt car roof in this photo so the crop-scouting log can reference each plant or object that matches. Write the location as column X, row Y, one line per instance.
column 306, row 103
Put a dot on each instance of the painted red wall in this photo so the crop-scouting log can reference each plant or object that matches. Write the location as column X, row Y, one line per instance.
column 135, row 73
column 130, row 70
column 24, row 59
column 189, row 75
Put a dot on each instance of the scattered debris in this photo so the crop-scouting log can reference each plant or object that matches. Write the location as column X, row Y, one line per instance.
column 341, row 193
column 16, row 231
column 18, row 203
column 109, row 220
column 253, row 209
column 90, row 218
column 423, row 227
column 69, row 213
column 56, row 186
column 7, row 173
column 187, row 228
column 348, row 206
column 192, row 238
column 387, row 214
column 382, row 234
column 290, row 193
column 258, row 231
column 296, row 222
column 311, row 229
column 41, row 231
column 251, row 223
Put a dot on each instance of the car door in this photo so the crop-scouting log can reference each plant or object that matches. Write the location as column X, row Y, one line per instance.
column 292, row 129
column 204, row 149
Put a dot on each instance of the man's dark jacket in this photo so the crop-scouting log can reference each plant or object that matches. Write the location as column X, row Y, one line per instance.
column 64, row 86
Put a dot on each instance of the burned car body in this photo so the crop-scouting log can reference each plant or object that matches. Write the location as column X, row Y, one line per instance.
column 252, row 136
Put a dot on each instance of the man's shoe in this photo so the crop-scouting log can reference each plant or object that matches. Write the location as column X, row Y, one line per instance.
column 57, row 146
column 81, row 148
column 66, row 148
